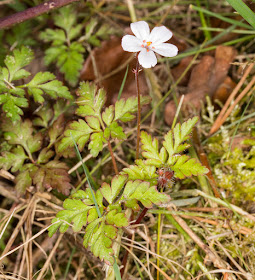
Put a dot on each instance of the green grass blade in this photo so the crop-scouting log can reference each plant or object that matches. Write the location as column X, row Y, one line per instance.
column 207, row 32
column 85, row 169
column 123, row 83
column 226, row 19
column 116, row 270
column 69, row 262
column 244, row 11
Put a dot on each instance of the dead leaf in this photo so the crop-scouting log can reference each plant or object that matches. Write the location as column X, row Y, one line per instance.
column 108, row 58
column 205, row 79
column 53, row 174
column 224, row 90
column 180, row 68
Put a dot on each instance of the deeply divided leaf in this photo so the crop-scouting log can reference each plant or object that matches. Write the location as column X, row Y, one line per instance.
column 44, row 82
column 53, row 174
column 15, row 63
column 125, row 109
column 150, row 149
column 110, row 192
column 139, row 191
column 79, row 131
column 174, row 139
column 13, row 160
column 99, row 237
column 21, row 133
column 90, row 101
column 186, row 167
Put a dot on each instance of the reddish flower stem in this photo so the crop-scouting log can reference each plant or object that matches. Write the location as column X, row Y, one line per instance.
column 138, row 109
column 113, row 158
column 33, row 12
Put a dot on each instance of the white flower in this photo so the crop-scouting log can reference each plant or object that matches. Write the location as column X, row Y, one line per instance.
column 147, row 43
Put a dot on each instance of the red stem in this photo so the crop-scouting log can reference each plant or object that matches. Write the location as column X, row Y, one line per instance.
column 33, row 12
column 138, row 109
column 113, row 158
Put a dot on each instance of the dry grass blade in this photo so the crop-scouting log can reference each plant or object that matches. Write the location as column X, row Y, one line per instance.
column 161, row 271
column 18, row 227
column 219, row 121
column 47, row 263
column 212, row 256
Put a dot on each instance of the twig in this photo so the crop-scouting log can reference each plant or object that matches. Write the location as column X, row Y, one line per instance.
column 47, row 263
column 6, row 2
column 33, row 12
column 218, row 123
column 240, row 96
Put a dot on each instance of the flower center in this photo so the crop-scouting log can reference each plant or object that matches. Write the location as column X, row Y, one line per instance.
column 146, row 45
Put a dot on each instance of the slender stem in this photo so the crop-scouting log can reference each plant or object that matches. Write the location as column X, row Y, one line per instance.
column 138, row 109
column 113, row 158
column 33, row 12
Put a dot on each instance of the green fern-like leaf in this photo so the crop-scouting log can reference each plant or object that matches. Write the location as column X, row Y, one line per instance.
column 13, row 160
column 185, row 166
column 21, row 133
column 99, row 237
column 117, row 218
column 79, row 131
column 12, row 98
column 67, row 55
column 114, row 131
column 144, row 193
column 110, row 192
column 96, row 143
column 79, row 210
column 108, row 115
column 14, row 63
column 174, row 139
column 45, row 83
column 90, row 101
column 141, row 171
column 125, row 109
column 12, row 105
column 150, row 150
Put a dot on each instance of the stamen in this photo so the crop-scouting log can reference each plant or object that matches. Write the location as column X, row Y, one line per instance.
column 149, row 43
column 142, row 45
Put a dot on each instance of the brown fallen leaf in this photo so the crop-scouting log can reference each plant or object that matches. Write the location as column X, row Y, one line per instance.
column 224, row 90
column 205, row 79
column 180, row 68
column 108, row 59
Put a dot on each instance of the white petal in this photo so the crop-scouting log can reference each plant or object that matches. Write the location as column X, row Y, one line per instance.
column 130, row 43
column 141, row 29
column 165, row 49
column 160, row 35
column 147, row 59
